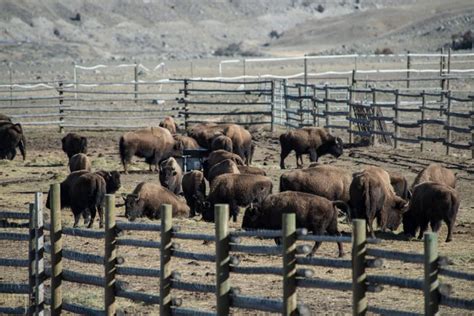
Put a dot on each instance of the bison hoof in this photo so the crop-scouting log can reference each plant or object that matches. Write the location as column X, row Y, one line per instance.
column 341, row 254
column 449, row 239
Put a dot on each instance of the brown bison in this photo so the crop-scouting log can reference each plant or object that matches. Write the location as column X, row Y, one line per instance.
column 251, row 170
column 372, row 197
column 84, row 192
column 436, row 173
column 154, row 144
column 237, row 190
column 431, row 203
column 400, row 185
column 171, row 175
column 222, row 167
column 11, row 137
column 73, row 144
column 204, row 133
column 222, row 142
column 186, row 142
column 79, row 162
column 317, row 214
column 217, row 156
column 241, row 141
column 147, row 199
column 4, row 117
column 327, row 181
column 169, row 124
column 314, row 141
column 194, row 189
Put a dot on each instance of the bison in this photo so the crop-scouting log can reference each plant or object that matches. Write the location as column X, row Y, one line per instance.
column 194, row 189
column 431, row 203
column 436, row 173
column 241, row 141
column 372, row 197
column 217, row 156
column 222, row 142
column 79, row 162
column 204, row 133
column 317, row 214
column 327, row 181
column 169, row 124
column 186, row 142
column 11, row 137
column 237, row 190
column 400, row 185
column 171, row 175
column 73, row 144
column 4, row 117
column 83, row 192
column 251, row 170
column 222, row 167
column 154, row 144
column 147, row 199
column 314, row 141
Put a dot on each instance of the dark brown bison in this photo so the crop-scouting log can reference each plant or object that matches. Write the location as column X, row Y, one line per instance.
column 217, row 156
column 222, row 142
column 84, row 192
column 204, row 133
column 237, row 190
column 431, row 203
column 314, row 141
column 222, row 167
column 186, row 142
column 317, row 214
column 147, row 199
column 11, row 137
column 400, row 185
column 79, row 162
column 171, row 175
column 241, row 141
column 251, row 170
column 169, row 124
column 327, row 181
column 372, row 197
column 154, row 144
column 436, row 173
column 73, row 144
column 194, row 189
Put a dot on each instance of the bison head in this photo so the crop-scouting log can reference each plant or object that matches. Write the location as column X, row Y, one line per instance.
column 395, row 214
column 112, row 180
column 134, row 207
column 252, row 217
column 333, row 146
column 205, row 208
column 167, row 174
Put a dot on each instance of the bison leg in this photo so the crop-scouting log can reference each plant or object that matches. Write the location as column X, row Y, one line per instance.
column 370, row 224
column 450, row 224
column 77, row 217
column 423, row 228
column 101, row 216
column 277, row 240
column 283, row 155
column 299, row 160
column 435, row 226
column 315, row 248
column 234, row 211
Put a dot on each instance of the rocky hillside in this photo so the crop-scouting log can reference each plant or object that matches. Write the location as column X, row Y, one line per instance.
column 31, row 30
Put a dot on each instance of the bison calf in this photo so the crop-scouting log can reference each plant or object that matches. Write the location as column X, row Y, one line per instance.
column 147, row 199
column 194, row 189
column 313, row 212
column 431, row 203
column 314, row 141
column 79, row 162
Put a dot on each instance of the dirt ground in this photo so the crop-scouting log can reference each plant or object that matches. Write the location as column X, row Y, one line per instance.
column 46, row 164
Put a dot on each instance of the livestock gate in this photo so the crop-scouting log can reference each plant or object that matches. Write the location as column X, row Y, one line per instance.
column 116, row 277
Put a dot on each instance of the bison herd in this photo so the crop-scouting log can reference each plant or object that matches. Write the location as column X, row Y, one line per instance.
column 316, row 194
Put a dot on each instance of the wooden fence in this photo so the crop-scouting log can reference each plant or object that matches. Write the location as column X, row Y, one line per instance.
column 363, row 260
column 393, row 116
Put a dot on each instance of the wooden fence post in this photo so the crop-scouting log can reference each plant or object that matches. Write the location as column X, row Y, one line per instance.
column 359, row 249
column 448, row 123
column 56, row 250
column 351, row 101
column 300, row 101
column 185, row 90
column 408, row 69
column 423, row 116
column 441, row 72
column 31, row 261
column 165, row 259
column 39, row 255
column 326, row 103
column 110, row 255
column 221, row 215
column 285, row 92
column 431, row 283
column 373, row 113
column 61, row 110
column 289, row 264
column 272, row 106
column 449, row 68
column 397, row 104
column 472, row 130
column 135, row 86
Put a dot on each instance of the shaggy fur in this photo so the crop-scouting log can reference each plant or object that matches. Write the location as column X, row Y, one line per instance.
column 73, row 144
column 79, row 162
